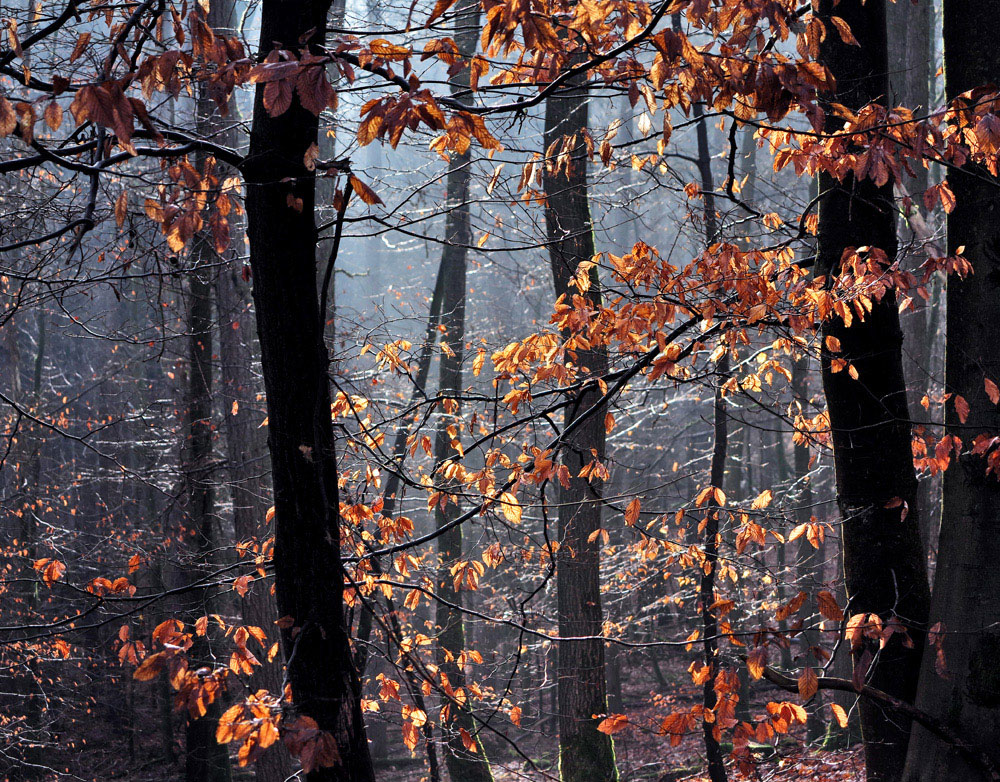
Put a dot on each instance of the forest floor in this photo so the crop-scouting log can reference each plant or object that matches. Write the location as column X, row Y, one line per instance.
column 644, row 756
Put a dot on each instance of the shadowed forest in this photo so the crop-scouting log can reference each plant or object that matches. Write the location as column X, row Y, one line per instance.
column 500, row 390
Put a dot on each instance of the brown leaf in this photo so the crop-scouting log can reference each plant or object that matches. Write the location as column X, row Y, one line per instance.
column 845, row 31
column 757, row 662
column 81, row 45
column 962, row 408
column 992, row 391
column 790, row 607
column 808, row 683
column 150, row 667
column 632, row 512
column 364, row 192
column 439, row 8
column 612, row 724
column 121, row 211
column 389, row 51
column 53, row 115
column 8, row 119
column 828, row 606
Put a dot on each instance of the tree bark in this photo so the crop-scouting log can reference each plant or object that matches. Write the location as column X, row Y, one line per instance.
column 809, row 560
column 967, row 582
column 883, row 557
column 706, row 586
column 910, row 73
column 464, row 764
column 585, row 754
column 246, row 453
column 717, row 475
column 246, row 447
column 309, row 574
column 205, row 759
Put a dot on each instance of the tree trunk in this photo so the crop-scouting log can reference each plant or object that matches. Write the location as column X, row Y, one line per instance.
column 246, row 447
column 967, row 582
column 27, row 761
column 309, row 575
column 464, row 764
column 809, row 560
column 206, row 760
column 585, row 754
column 706, row 587
column 910, row 73
column 246, row 454
column 883, row 557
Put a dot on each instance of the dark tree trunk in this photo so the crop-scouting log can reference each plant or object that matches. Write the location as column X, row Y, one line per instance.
column 809, row 559
column 967, row 580
column 205, row 759
column 309, row 574
column 246, row 447
column 585, row 754
column 246, row 454
column 706, row 586
column 717, row 476
column 464, row 765
column 883, row 557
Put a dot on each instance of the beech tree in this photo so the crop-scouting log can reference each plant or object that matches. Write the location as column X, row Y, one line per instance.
column 290, row 316
column 465, row 757
column 957, row 676
column 584, row 752
column 866, row 396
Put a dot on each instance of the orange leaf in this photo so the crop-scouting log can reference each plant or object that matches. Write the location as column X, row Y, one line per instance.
column 845, row 31
column 150, row 667
column 81, row 45
column 808, row 683
column 632, row 512
column 762, row 500
column 439, row 8
column 51, row 570
column 991, row 390
column 468, row 742
column 511, row 507
column 962, row 408
column 612, row 724
column 757, row 662
column 364, row 192
column 828, row 606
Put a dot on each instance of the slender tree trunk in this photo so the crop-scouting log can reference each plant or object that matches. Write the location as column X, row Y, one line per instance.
column 246, row 453
column 785, row 571
column 706, row 587
column 910, row 74
column 883, row 557
column 28, row 759
column 246, row 447
column 391, row 498
column 585, row 754
column 206, row 760
column 809, row 558
column 966, row 608
column 309, row 574
column 717, row 474
column 464, row 764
